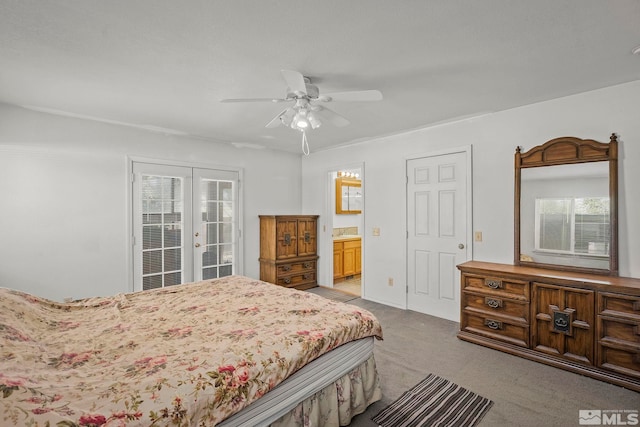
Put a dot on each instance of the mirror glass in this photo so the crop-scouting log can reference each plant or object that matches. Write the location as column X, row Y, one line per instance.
column 348, row 196
column 565, row 215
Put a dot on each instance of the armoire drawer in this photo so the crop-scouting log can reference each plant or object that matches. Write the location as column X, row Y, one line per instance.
column 508, row 288
column 293, row 280
column 496, row 327
column 491, row 305
column 296, row 267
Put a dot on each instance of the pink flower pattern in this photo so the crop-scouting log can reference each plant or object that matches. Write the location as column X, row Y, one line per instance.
column 185, row 355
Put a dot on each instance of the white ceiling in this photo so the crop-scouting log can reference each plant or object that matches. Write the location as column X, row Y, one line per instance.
column 165, row 65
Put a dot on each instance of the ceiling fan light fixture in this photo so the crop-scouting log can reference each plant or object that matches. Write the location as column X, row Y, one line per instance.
column 300, row 124
column 313, row 120
column 301, row 120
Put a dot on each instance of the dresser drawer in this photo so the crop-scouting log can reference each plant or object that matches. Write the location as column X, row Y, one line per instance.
column 508, row 288
column 294, row 280
column 517, row 310
column 295, row 267
column 496, row 327
column 619, row 348
column 623, row 331
column 619, row 305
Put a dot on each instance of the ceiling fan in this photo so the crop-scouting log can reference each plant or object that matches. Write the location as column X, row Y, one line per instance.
column 305, row 113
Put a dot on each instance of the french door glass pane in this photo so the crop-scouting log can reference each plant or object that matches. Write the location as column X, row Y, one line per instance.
column 185, row 224
column 217, row 206
column 162, row 225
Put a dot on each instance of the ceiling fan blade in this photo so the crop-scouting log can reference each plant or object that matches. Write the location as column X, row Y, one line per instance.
column 295, row 81
column 358, row 95
column 254, row 100
column 330, row 115
column 278, row 120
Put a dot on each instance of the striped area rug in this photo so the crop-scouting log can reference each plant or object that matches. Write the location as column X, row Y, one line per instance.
column 435, row 401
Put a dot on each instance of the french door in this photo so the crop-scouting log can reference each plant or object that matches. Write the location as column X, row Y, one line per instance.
column 185, row 224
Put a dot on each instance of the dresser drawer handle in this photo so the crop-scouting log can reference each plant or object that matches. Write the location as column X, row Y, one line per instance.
column 307, row 276
column 493, row 324
column 286, row 267
column 287, row 280
column 307, row 265
column 493, row 302
column 493, row 284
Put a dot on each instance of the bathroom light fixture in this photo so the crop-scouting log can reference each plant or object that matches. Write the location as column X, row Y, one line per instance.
column 346, row 174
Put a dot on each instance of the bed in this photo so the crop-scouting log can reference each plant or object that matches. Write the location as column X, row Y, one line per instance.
column 231, row 351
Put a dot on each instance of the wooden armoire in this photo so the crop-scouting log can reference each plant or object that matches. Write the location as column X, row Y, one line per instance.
column 288, row 250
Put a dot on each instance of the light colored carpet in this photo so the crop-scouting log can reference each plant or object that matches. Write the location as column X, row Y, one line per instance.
column 525, row 393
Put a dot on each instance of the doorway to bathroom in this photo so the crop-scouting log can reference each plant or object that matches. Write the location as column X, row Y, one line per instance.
column 347, row 229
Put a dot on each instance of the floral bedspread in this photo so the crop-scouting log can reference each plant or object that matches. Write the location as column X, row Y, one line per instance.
column 188, row 355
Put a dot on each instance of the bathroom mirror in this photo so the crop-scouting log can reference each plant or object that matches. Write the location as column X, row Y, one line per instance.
column 348, row 196
column 566, row 206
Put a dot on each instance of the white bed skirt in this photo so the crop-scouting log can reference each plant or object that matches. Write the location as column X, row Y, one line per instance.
column 327, row 392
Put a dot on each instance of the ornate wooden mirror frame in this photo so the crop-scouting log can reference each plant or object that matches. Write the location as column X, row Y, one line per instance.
column 566, row 151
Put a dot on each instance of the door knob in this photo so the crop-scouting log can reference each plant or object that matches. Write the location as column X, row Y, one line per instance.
column 461, row 246
column 197, row 245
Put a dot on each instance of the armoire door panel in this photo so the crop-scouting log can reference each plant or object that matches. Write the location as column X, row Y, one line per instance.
column 306, row 237
column 287, row 236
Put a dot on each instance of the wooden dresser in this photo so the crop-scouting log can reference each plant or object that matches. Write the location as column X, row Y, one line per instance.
column 589, row 324
column 288, row 250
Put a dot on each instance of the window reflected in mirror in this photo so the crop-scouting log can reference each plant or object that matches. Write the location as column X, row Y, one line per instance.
column 575, row 226
column 565, row 215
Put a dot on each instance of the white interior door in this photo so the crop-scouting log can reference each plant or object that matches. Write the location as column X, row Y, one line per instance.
column 185, row 224
column 437, row 233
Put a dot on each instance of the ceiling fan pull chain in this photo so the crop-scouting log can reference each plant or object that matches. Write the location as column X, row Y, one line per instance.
column 305, row 144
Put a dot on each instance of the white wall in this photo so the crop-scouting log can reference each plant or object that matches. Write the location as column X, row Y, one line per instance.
column 63, row 207
column 494, row 138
